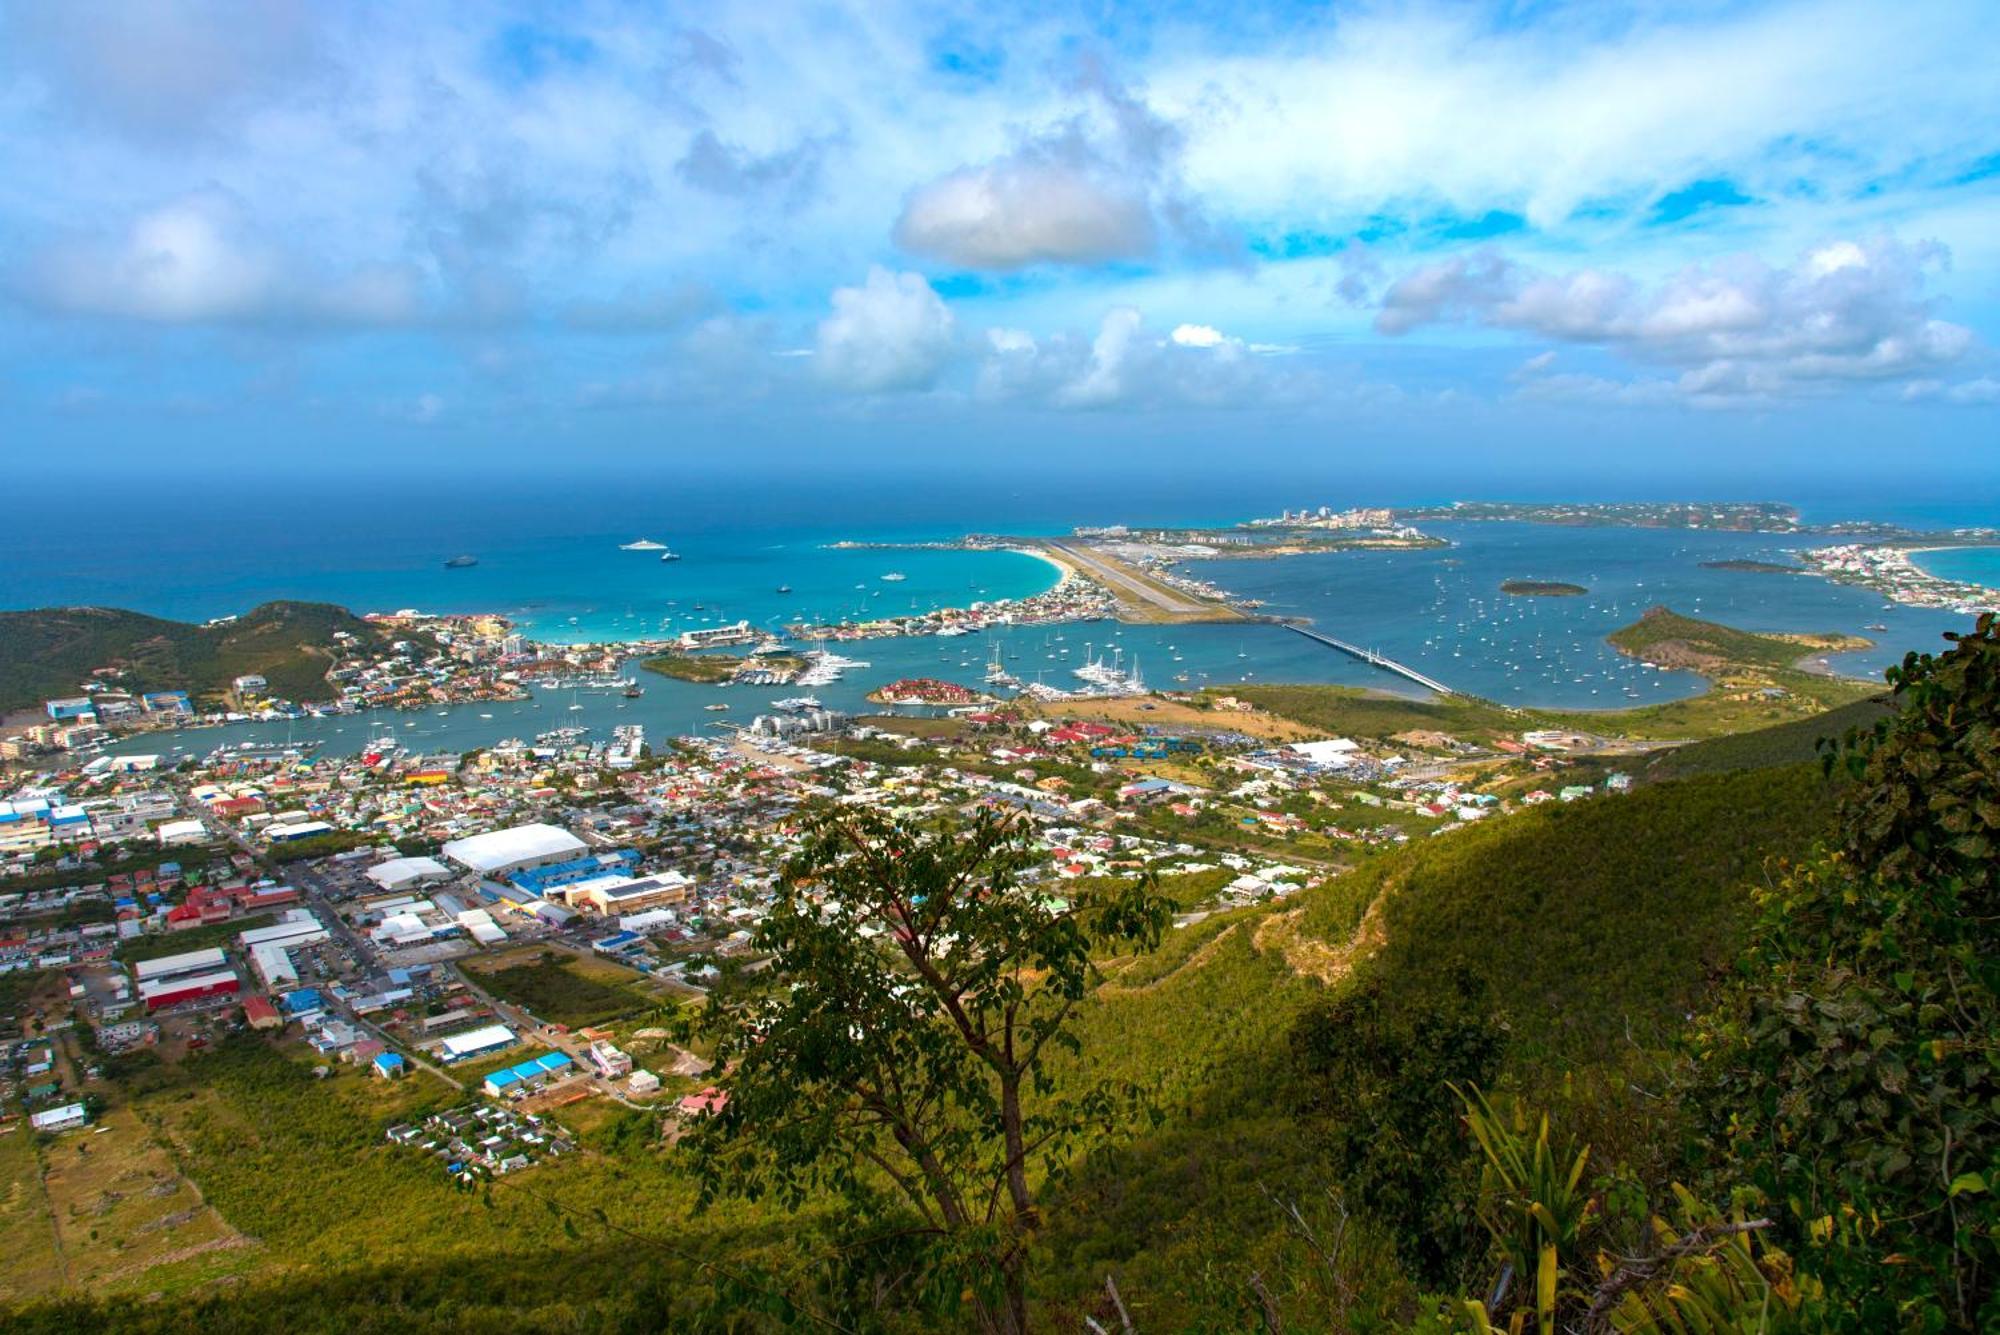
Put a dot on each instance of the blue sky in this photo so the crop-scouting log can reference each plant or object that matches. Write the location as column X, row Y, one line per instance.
column 274, row 235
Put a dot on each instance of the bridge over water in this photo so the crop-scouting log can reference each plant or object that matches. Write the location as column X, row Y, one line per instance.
column 1374, row 659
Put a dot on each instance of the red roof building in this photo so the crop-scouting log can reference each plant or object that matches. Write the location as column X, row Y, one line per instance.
column 262, row 1014
column 704, row 1104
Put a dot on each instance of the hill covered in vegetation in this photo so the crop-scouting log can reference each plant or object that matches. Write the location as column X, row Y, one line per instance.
column 1665, row 637
column 1762, row 995
column 50, row 651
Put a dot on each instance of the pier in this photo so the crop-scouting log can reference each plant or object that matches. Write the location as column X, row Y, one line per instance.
column 1374, row 659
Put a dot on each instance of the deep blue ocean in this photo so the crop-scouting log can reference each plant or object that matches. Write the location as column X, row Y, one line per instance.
column 548, row 553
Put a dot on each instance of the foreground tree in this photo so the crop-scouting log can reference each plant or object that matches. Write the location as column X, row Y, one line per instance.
column 921, row 986
column 1853, row 1075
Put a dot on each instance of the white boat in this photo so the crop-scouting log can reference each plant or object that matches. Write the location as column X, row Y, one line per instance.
column 895, row 577
column 642, row 545
column 796, row 703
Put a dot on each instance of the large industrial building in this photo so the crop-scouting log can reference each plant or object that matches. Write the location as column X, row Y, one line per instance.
column 400, row 874
column 503, row 852
column 612, row 896
column 165, row 992
column 270, row 947
column 476, row 1042
column 173, row 966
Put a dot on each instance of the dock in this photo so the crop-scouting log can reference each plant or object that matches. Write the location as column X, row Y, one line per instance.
column 1373, row 659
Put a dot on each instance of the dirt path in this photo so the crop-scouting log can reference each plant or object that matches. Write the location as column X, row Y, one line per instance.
column 1312, row 958
column 1203, row 953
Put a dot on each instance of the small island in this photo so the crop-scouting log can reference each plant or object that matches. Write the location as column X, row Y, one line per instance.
column 1542, row 588
column 1755, row 567
column 925, row 691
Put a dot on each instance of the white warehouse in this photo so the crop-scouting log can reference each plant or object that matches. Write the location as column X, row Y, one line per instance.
column 500, row 853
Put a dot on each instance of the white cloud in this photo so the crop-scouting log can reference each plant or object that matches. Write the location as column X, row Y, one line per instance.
column 891, row 333
column 1126, row 365
column 1982, row 391
column 1846, row 311
column 1388, row 109
column 194, row 260
column 1016, row 212
column 1010, row 340
column 1104, row 379
column 1197, row 336
column 1101, row 184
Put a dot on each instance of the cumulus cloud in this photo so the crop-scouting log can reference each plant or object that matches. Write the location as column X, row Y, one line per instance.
column 195, row 260
column 1126, row 365
column 1026, row 209
column 1846, row 310
column 1197, row 336
column 1100, row 186
column 891, row 333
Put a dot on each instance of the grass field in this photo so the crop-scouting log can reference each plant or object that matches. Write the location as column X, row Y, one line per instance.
column 30, row 1259
column 563, row 989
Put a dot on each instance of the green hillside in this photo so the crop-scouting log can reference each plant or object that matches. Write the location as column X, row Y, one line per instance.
column 1662, row 635
column 1632, row 964
column 50, row 651
column 1784, row 744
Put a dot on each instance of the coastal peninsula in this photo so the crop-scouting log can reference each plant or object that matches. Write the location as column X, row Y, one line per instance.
column 1888, row 570
column 1754, row 567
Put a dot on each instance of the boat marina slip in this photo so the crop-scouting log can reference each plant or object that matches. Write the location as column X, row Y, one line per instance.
column 1078, row 615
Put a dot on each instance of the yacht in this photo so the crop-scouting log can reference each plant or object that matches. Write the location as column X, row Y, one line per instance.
column 796, row 703
column 895, row 577
column 642, row 545
column 670, row 556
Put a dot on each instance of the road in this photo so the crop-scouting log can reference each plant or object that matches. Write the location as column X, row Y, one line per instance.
column 1136, row 590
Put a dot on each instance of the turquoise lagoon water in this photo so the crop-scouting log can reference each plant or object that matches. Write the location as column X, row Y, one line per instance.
column 1439, row 610
column 1967, row 565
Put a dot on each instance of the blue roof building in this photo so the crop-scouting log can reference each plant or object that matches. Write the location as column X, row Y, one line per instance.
column 389, row 1065
column 540, row 880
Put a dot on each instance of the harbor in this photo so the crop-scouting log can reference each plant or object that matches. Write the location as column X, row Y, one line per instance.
column 1440, row 612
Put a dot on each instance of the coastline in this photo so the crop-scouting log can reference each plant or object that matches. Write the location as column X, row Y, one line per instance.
column 1891, row 570
column 1955, row 547
column 1065, row 572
